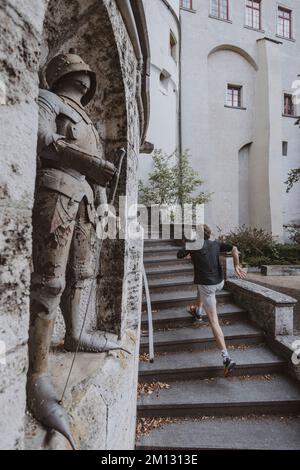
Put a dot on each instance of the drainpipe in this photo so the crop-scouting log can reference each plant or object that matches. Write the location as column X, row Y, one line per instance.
column 133, row 29
column 129, row 20
column 180, row 90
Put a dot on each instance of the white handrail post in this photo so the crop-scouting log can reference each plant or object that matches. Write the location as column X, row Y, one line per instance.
column 150, row 318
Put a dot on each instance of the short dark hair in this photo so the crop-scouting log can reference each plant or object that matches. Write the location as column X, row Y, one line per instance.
column 207, row 232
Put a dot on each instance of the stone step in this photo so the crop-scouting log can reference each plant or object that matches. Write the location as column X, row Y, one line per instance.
column 167, row 262
column 179, row 298
column 160, row 256
column 167, row 249
column 190, row 365
column 172, row 317
column 255, row 433
column 202, row 337
column 164, row 273
column 156, row 238
column 172, row 285
column 172, row 288
column 170, row 281
column 235, row 396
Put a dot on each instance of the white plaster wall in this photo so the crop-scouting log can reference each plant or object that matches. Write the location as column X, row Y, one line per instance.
column 229, row 131
column 163, row 126
column 203, row 133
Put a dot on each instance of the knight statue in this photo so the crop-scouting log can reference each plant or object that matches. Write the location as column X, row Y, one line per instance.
column 71, row 184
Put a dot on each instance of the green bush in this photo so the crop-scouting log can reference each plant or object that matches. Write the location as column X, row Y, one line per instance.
column 258, row 247
column 294, row 232
column 252, row 242
column 254, row 261
column 289, row 253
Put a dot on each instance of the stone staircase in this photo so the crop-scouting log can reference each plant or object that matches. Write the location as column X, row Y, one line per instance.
column 257, row 407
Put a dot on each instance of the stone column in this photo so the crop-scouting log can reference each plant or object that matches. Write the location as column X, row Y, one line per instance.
column 265, row 172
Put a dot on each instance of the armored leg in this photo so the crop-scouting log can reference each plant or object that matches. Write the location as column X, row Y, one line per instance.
column 52, row 235
column 81, row 274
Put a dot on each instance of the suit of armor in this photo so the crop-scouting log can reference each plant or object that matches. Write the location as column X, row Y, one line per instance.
column 70, row 181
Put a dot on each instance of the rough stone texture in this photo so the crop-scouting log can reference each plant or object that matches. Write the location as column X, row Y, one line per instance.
column 102, row 396
column 20, row 29
column 289, row 347
column 280, row 270
column 287, row 285
column 272, row 310
column 13, row 398
column 259, row 433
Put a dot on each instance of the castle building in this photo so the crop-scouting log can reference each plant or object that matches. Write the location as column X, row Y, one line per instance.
column 239, row 61
column 164, row 36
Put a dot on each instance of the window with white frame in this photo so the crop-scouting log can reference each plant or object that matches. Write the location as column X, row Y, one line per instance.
column 284, row 23
column 253, row 14
column 234, row 96
column 288, row 105
column 173, row 46
column 220, row 9
column 187, row 4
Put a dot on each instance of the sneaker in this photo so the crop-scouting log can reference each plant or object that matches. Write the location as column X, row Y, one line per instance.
column 195, row 312
column 229, row 365
column 199, row 314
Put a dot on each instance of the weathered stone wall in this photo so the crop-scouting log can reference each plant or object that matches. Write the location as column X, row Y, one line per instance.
column 20, row 29
column 101, row 399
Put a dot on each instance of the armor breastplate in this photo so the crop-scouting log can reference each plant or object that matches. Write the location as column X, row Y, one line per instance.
column 83, row 134
column 61, row 178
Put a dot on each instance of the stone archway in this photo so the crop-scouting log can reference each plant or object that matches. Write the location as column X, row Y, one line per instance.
column 114, row 42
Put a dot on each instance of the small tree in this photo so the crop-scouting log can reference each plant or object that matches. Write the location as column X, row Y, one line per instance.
column 172, row 183
column 161, row 187
column 293, row 175
column 293, row 178
column 187, row 190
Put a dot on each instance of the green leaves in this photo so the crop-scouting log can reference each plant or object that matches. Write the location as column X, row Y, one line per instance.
column 172, row 181
column 293, row 178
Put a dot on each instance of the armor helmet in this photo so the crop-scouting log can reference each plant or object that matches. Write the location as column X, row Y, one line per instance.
column 63, row 64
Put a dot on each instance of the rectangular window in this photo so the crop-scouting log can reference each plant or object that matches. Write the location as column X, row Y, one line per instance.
column 173, row 46
column 289, row 108
column 285, row 147
column 220, row 9
column 253, row 14
column 234, row 96
column 188, row 4
column 284, row 23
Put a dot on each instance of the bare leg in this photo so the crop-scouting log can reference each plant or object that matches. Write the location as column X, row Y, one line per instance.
column 210, row 307
column 199, row 300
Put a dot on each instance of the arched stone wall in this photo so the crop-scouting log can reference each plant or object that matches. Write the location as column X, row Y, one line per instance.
column 102, row 397
column 89, row 31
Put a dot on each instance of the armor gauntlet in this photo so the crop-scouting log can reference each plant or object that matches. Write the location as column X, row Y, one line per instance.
column 98, row 170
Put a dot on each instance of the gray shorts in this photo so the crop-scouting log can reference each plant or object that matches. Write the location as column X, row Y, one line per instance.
column 208, row 293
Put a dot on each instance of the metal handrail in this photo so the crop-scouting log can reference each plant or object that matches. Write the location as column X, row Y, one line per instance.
column 150, row 318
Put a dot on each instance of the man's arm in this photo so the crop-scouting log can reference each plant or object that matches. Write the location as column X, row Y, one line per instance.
column 53, row 146
column 181, row 254
column 236, row 260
